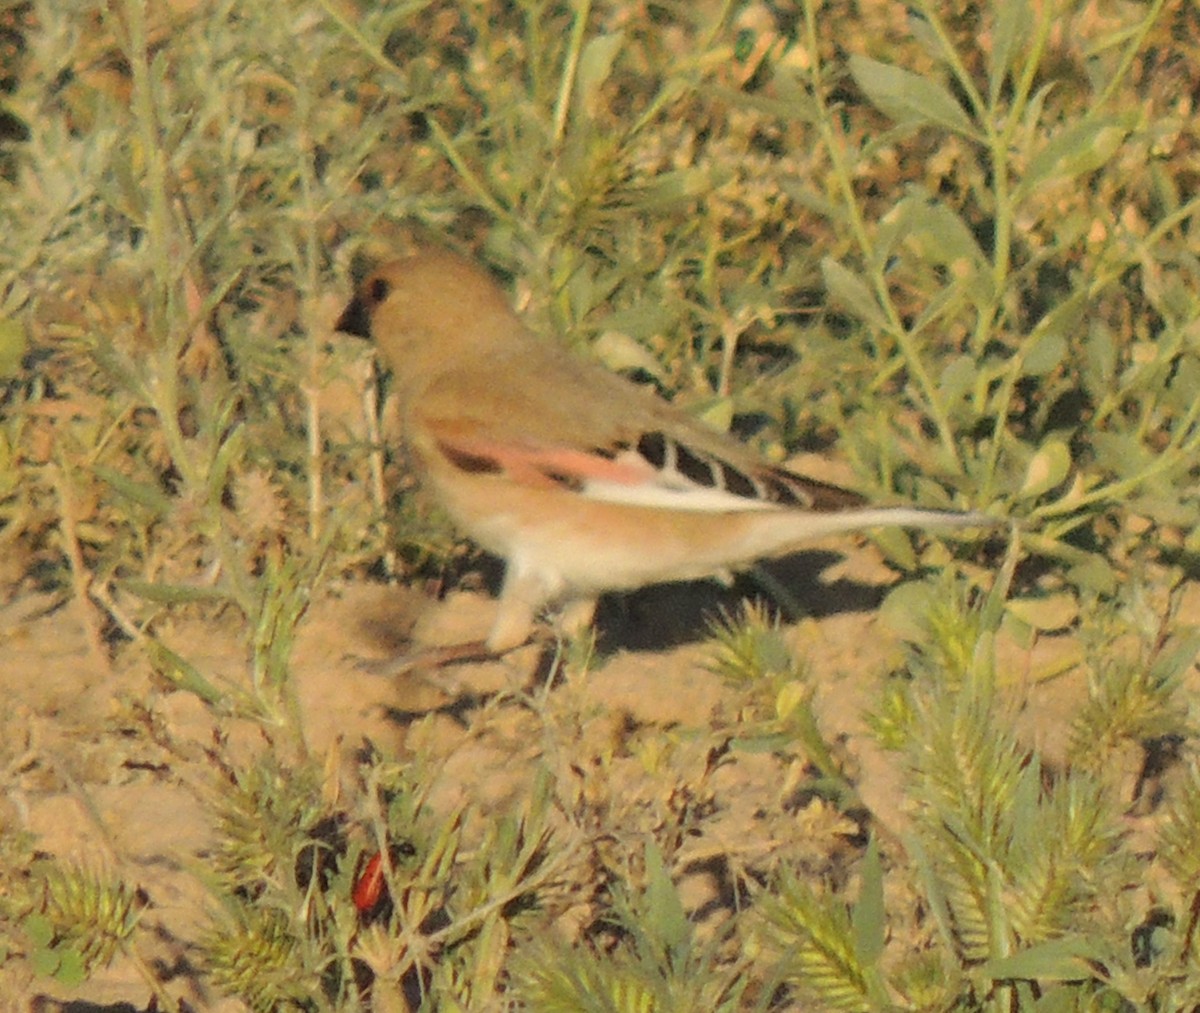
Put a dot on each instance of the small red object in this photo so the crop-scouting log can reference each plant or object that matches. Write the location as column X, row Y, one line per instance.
column 370, row 886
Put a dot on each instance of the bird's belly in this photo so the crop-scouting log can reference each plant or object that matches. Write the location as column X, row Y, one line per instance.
column 585, row 546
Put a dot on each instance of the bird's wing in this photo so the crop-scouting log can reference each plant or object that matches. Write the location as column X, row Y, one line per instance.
column 601, row 437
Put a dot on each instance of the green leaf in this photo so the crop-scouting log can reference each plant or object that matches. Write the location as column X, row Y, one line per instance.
column 10, row 474
column 231, row 450
column 173, row 594
column 643, row 319
column 595, row 65
column 1185, row 382
column 145, row 495
column 1047, row 352
column 13, row 341
column 1176, row 657
column 715, row 412
column 39, row 930
column 957, row 379
column 867, row 917
column 1048, row 468
column 181, row 673
column 1099, row 359
column 762, row 743
column 1068, row 959
column 790, row 698
column 72, row 968
column 908, row 98
column 1013, row 19
column 940, row 235
column 991, row 615
column 1075, row 151
column 851, row 293
column 1122, row 453
column 670, row 190
column 44, row 962
column 1032, row 116
column 663, row 908
column 1094, row 574
column 1046, row 612
column 619, row 352
column 897, row 545
column 904, row 608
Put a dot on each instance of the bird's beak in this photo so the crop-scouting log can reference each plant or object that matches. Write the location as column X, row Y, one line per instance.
column 355, row 319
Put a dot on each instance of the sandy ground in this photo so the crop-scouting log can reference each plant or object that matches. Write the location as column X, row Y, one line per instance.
column 109, row 767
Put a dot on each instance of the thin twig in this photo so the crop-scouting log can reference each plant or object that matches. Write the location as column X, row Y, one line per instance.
column 81, row 578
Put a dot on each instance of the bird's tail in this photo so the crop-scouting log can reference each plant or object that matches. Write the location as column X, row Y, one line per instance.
column 818, row 525
column 772, row 534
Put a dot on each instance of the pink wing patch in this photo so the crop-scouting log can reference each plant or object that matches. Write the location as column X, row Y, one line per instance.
column 544, row 467
column 659, row 471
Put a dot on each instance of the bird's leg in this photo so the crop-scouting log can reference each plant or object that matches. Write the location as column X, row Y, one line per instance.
column 431, row 657
column 512, row 628
column 577, row 616
column 521, row 596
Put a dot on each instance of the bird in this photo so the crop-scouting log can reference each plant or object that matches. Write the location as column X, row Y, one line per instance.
column 582, row 481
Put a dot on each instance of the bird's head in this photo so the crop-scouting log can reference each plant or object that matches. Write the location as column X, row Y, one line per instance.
column 431, row 303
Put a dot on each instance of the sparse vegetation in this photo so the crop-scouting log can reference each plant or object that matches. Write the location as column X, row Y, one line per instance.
column 951, row 244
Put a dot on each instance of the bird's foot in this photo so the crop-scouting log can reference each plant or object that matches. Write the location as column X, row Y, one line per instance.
column 467, row 653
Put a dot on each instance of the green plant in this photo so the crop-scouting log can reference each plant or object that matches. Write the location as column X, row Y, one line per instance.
column 952, row 243
column 656, row 964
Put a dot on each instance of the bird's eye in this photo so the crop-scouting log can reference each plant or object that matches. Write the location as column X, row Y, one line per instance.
column 377, row 290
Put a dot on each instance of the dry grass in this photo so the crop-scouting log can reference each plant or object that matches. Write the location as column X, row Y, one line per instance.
column 951, row 245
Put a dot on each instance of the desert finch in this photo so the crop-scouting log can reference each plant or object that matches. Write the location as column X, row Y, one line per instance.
column 582, row 481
